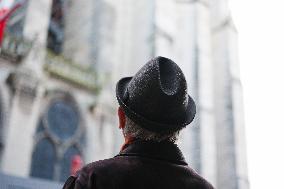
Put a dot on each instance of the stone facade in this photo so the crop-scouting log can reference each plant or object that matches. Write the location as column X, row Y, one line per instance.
column 113, row 39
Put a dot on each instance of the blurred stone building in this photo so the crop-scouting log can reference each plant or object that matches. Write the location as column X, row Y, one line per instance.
column 60, row 60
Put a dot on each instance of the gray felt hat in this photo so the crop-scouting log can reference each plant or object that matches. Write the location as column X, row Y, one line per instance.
column 156, row 97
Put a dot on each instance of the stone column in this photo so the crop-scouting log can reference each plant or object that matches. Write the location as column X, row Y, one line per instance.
column 238, row 114
column 165, row 28
column 205, row 89
column 79, row 35
column 231, row 151
column 134, row 34
column 26, row 101
column 2, row 120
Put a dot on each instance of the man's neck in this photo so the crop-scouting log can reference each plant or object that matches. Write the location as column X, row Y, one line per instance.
column 127, row 141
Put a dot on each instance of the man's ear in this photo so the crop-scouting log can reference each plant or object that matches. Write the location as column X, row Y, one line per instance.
column 121, row 117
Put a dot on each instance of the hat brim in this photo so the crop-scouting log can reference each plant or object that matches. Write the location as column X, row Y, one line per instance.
column 153, row 126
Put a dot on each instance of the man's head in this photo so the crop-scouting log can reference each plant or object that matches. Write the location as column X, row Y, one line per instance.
column 154, row 104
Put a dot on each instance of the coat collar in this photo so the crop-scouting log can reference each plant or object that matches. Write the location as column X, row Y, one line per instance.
column 164, row 151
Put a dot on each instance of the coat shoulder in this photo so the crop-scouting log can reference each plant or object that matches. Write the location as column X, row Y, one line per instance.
column 86, row 176
column 198, row 181
column 115, row 171
column 99, row 165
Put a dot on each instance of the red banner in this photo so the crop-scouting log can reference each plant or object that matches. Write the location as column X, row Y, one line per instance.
column 7, row 8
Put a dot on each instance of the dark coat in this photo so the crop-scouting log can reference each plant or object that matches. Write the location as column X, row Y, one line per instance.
column 140, row 165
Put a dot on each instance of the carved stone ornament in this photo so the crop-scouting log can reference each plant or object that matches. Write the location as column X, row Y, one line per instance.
column 25, row 83
column 15, row 48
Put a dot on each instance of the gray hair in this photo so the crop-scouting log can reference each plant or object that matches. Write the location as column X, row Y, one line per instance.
column 134, row 130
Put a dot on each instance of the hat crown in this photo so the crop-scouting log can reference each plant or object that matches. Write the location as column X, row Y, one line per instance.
column 156, row 97
column 158, row 91
column 171, row 76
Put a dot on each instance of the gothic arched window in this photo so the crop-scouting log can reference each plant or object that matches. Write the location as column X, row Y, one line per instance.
column 59, row 138
column 44, row 159
column 63, row 119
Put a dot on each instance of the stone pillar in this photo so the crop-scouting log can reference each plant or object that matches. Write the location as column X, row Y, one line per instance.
column 231, row 151
column 36, row 29
column 238, row 114
column 134, row 35
column 5, row 105
column 205, row 89
column 26, row 101
column 165, row 28
column 79, row 37
column 24, row 114
column 2, row 122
